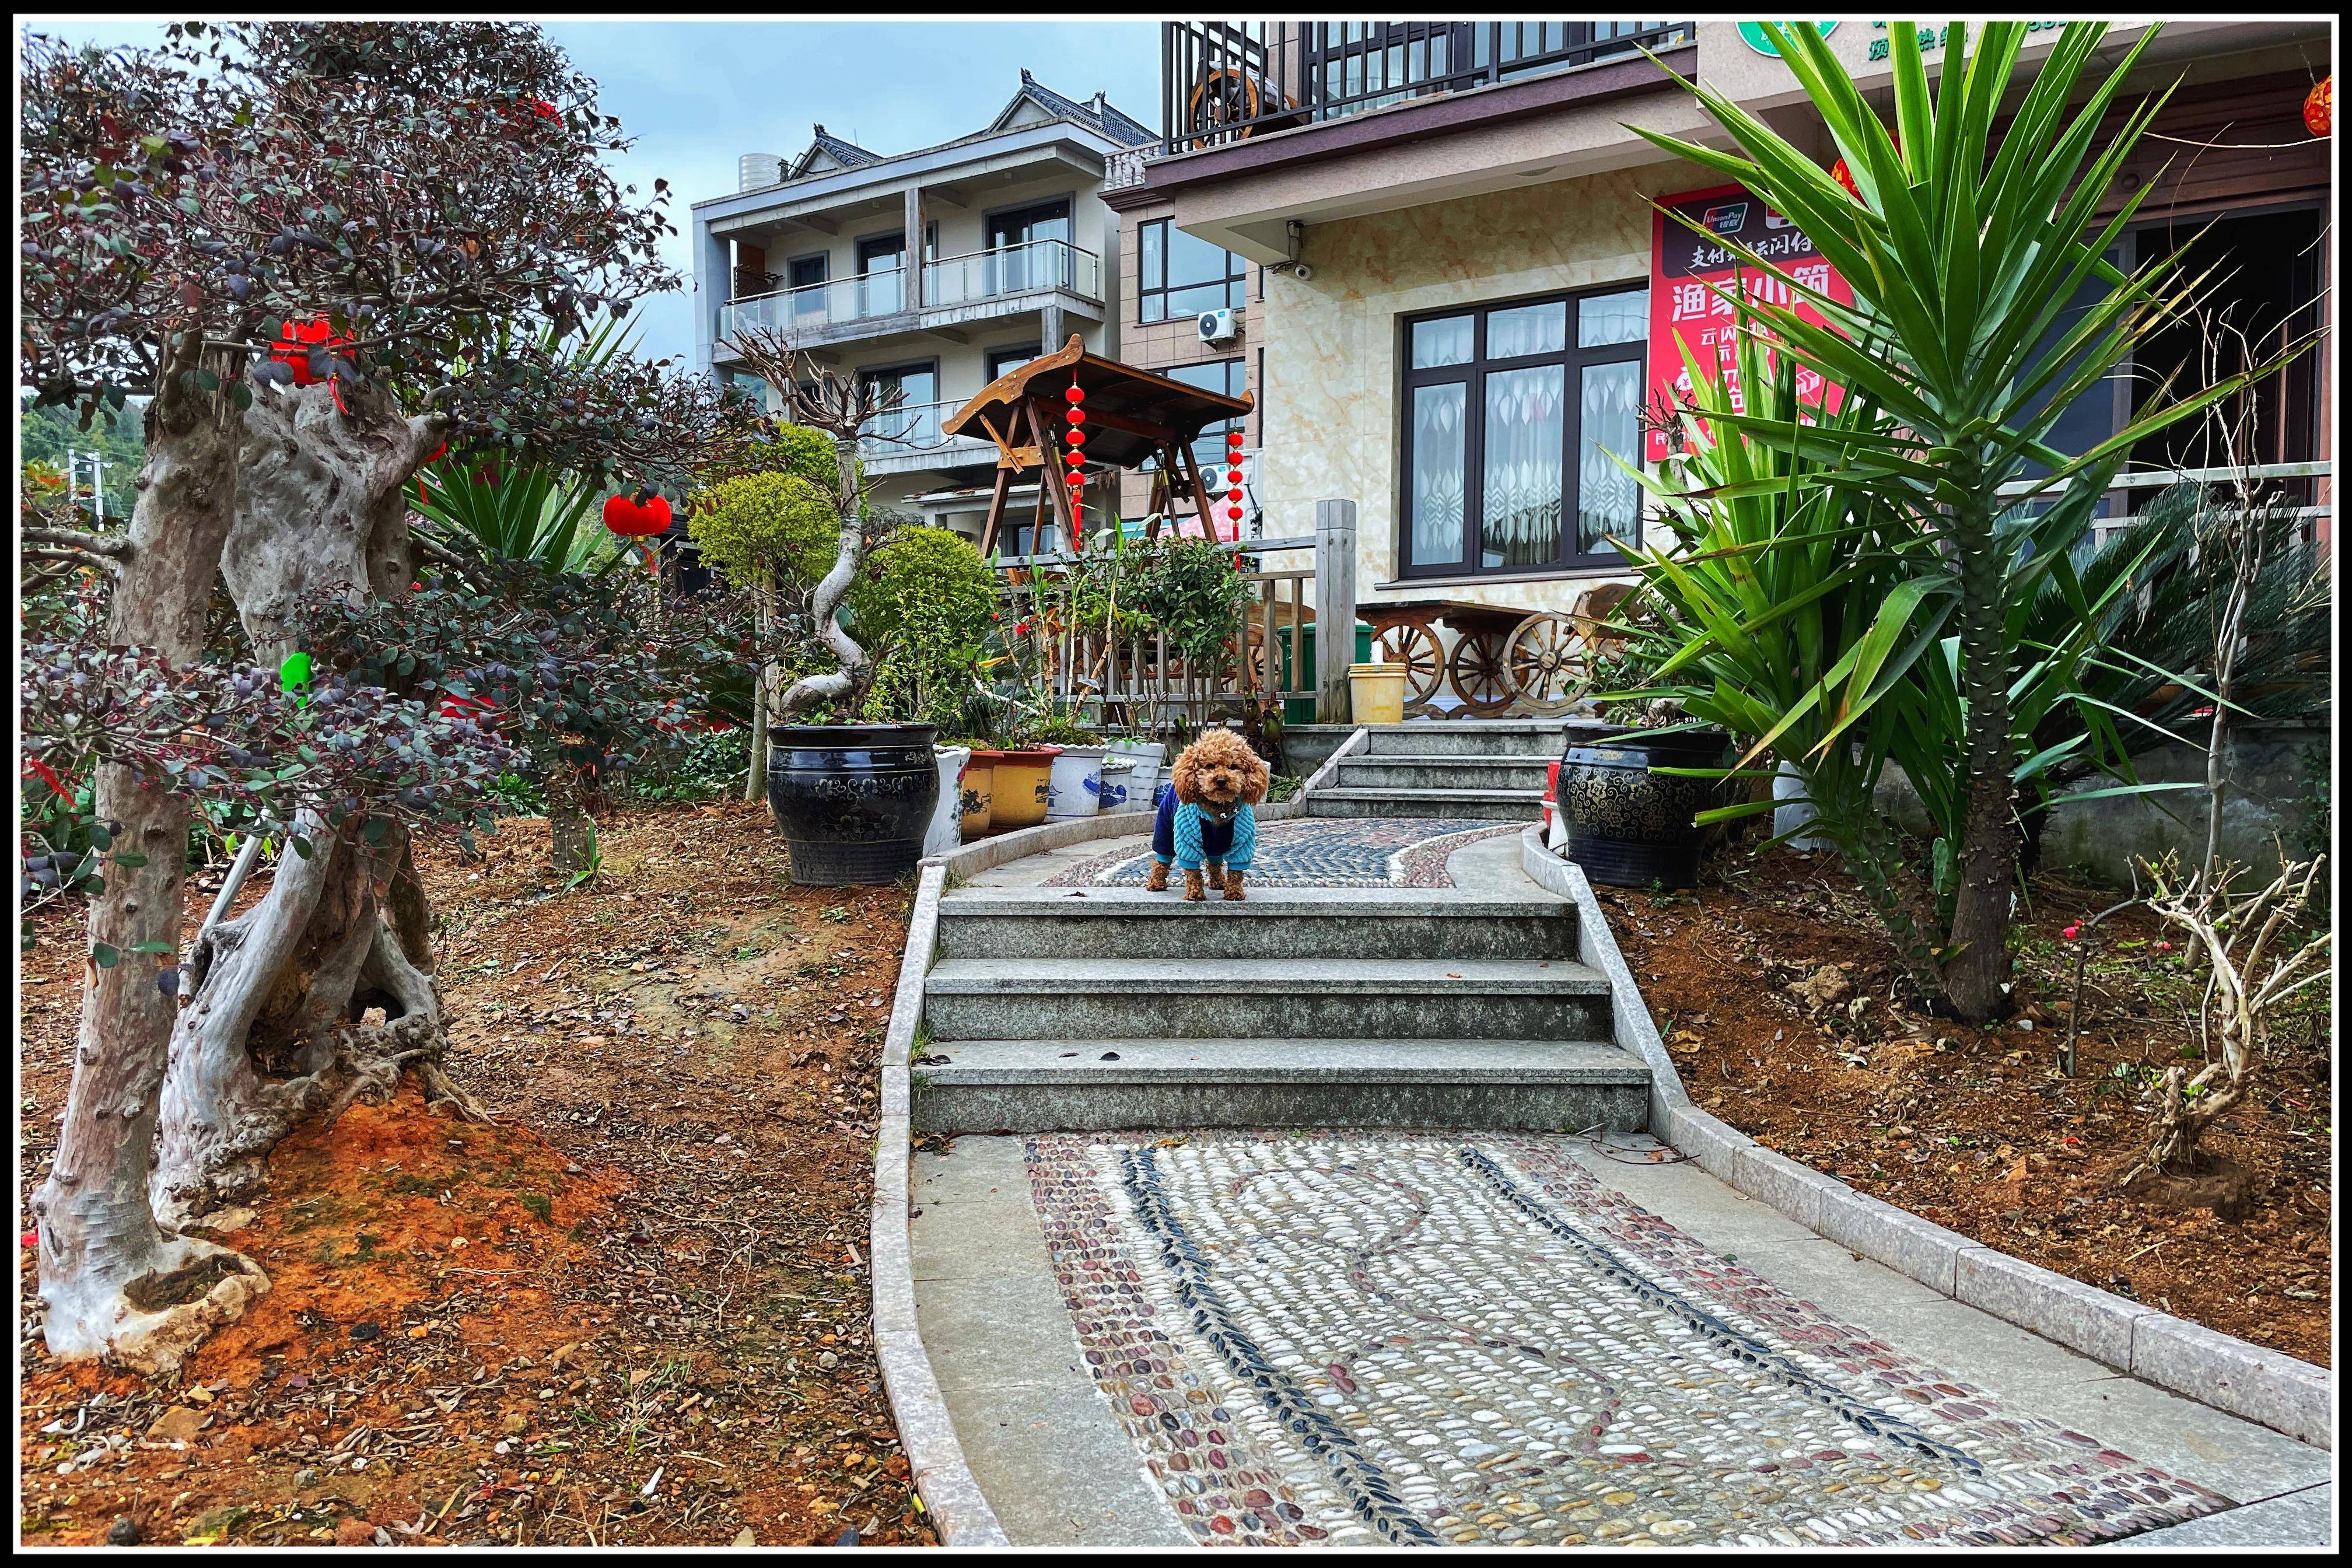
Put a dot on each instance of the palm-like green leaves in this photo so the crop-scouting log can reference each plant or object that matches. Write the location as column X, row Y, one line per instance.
column 1865, row 587
column 529, row 511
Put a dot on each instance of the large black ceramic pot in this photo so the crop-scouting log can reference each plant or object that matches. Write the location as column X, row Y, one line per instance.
column 853, row 799
column 1628, row 826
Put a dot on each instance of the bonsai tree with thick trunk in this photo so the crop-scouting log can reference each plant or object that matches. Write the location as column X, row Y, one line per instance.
column 301, row 242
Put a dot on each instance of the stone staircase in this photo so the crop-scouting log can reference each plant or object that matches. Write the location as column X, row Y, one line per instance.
column 1491, row 768
column 1056, row 1009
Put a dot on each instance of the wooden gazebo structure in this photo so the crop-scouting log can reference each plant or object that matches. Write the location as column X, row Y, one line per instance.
column 1132, row 416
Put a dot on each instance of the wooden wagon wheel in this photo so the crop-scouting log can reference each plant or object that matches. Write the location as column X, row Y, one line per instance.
column 1549, row 659
column 1221, row 97
column 1481, row 677
column 1412, row 645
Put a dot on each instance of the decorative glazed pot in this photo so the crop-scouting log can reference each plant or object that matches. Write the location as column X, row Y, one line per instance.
column 947, row 817
column 854, row 800
column 1629, row 826
column 1136, row 790
column 1073, row 787
column 1024, row 786
column 977, row 796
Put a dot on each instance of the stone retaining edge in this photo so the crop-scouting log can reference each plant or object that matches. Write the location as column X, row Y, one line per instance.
column 925, row 1434
column 2229, row 1374
column 1321, row 778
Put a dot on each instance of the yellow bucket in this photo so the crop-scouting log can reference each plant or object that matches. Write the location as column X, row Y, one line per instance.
column 1376, row 692
column 1022, row 781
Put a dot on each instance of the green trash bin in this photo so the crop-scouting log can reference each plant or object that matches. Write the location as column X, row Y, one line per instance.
column 1301, row 710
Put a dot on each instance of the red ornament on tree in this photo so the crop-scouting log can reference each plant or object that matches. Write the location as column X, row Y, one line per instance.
column 2319, row 108
column 1845, row 176
column 634, row 519
column 294, row 343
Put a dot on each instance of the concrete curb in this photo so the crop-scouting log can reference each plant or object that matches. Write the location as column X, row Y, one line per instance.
column 1321, row 778
column 2213, row 1368
column 926, row 1436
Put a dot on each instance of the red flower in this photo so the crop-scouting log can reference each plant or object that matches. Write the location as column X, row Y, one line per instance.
column 2164, row 947
column 2070, row 932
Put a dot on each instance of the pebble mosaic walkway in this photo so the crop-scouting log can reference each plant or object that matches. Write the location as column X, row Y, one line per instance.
column 1359, row 1339
column 1322, row 852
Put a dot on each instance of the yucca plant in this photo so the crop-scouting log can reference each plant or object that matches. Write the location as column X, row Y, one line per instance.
column 1963, row 256
column 521, row 511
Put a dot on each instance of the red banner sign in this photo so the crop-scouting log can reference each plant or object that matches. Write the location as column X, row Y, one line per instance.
column 1683, row 309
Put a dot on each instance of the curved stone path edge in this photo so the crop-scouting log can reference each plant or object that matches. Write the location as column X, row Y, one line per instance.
column 943, row 1478
column 2231, row 1375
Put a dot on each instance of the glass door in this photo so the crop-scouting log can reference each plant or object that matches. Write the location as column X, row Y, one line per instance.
column 914, row 420
column 882, row 269
column 1018, row 259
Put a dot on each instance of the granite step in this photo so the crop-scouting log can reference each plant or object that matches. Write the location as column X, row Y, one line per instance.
column 1067, row 1085
column 1265, row 998
column 1301, row 923
column 1439, row 773
column 1490, row 805
column 1544, row 738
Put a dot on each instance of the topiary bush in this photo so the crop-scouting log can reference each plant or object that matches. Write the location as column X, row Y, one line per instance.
column 923, row 606
column 760, row 529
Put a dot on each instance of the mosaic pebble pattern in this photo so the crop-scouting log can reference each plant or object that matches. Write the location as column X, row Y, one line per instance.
column 1363, row 1340
column 1323, row 852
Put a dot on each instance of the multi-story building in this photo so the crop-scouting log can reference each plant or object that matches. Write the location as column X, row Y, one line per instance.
column 1018, row 252
column 1446, row 238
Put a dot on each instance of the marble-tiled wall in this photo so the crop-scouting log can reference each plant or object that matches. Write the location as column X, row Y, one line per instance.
column 1331, row 341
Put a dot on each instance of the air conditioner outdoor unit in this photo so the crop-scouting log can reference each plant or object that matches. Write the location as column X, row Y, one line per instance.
column 1217, row 327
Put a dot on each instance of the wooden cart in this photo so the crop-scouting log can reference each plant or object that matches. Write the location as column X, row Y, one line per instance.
column 1539, row 661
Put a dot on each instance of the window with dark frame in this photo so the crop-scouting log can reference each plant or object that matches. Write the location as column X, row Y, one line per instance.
column 1512, row 417
column 1180, row 276
column 1226, row 377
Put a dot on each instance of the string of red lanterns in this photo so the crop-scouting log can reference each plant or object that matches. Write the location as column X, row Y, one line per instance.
column 2319, row 108
column 1234, row 440
column 1074, row 441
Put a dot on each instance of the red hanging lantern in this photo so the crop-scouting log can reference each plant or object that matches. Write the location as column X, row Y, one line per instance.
column 294, row 343
column 1845, row 176
column 2319, row 108
column 1076, row 394
column 634, row 519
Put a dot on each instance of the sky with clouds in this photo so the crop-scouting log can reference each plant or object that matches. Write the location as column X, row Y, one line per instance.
column 697, row 95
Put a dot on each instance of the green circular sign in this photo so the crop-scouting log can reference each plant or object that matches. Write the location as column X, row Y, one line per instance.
column 1753, row 34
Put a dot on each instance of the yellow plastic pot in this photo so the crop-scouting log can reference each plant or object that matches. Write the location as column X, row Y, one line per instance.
column 1376, row 692
column 1022, row 782
column 978, row 792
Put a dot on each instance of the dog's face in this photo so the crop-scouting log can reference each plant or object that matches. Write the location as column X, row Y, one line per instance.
column 1220, row 770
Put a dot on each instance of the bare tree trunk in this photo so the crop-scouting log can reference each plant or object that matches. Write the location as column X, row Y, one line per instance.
column 571, row 835
column 857, row 671
column 275, row 1029
column 111, row 1280
column 763, row 676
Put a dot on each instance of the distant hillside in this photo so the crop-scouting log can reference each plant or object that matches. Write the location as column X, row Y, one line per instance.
column 47, row 435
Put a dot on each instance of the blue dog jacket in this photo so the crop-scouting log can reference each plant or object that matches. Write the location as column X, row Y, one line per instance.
column 1191, row 838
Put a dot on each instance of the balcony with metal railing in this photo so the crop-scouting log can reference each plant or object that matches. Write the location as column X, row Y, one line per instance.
column 1226, row 81
column 956, row 288
column 908, row 439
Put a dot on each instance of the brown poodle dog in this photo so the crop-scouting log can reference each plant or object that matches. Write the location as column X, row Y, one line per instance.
column 1207, row 819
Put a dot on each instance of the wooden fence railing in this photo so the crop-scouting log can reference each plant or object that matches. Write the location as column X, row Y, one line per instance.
column 1143, row 684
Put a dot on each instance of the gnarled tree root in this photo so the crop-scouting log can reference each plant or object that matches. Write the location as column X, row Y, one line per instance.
column 299, row 982
column 150, row 1319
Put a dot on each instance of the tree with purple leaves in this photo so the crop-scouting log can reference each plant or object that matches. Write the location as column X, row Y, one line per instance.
column 324, row 253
